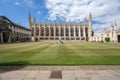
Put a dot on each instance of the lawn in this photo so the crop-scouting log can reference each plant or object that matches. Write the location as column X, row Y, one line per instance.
column 45, row 53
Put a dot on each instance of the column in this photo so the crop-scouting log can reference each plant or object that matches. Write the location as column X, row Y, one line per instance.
column 9, row 40
column 2, row 37
column 84, row 33
column 115, row 36
column 79, row 33
column 34, row 32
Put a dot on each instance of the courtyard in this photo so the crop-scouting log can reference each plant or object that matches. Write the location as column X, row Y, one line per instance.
column 48, row 53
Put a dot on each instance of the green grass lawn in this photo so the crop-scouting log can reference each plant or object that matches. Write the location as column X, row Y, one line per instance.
column 44, row 53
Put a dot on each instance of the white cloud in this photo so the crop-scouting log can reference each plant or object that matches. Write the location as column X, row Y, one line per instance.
column 103, row 11
column 29, row 3
column 17, row 4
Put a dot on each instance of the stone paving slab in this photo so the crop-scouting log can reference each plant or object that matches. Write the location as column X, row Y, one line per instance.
column 67, row 74
column 43, row 75
column 31, row 74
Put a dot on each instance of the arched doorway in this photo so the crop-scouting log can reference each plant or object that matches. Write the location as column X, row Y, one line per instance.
column 5, row 37
column 118, row 38
column 36, row 39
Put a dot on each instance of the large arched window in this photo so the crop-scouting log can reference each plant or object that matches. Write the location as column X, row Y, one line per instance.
column 62, row 31
column 57, row 31
column 81, row 29
column 72, row 31
column 37, row 31
column 77, row 31
column 47, row 31
column 86, row 31
column 42, row 31
column 67, row 31
column 32, row 31
column 52, row 31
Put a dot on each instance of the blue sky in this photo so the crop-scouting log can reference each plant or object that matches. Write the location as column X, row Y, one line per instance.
column 17, row 10
column 104, row 12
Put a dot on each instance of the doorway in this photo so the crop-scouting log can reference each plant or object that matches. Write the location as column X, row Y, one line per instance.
column 118, row 38
column 5, row 37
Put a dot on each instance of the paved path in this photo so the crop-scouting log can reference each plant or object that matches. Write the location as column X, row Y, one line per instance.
column 60, row 73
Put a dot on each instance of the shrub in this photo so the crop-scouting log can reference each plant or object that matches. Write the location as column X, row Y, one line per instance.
column 107, row 39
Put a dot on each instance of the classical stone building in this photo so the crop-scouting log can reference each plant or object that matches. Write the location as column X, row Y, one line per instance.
column 12, row 32
column 61, row 31
column 113, row 34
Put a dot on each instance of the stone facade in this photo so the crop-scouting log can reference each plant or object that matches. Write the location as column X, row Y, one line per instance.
column 61, row 31
column 12, row 32
column 113, row 34
column 96, row 38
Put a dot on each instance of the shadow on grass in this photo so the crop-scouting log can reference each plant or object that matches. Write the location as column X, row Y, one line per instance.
column 11, row 66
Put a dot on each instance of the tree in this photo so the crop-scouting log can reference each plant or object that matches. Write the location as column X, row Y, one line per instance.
column 92, row 33
column 107, row 39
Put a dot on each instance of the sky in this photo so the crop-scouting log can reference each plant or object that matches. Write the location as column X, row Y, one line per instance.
column 104, row 12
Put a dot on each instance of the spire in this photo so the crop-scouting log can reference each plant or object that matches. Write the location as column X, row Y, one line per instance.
column 29, row 20
column 90, row 20
column 90, row 16
column 34, row 21
column 115, row 25
column 90, row 33
column 29, row 16
column 85, row 21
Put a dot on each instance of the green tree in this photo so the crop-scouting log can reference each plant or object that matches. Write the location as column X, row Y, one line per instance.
column 92, row 33
column 107, row 39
